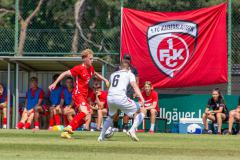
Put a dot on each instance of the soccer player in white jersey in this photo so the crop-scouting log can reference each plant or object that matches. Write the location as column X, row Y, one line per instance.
column 118, row 100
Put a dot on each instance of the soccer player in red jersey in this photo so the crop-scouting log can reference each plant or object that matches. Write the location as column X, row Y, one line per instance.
column 98, row 103
column 3, row 104
column 82, row 74
column 151, row 103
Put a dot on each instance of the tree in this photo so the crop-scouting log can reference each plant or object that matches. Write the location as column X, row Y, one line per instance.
column 24, row 23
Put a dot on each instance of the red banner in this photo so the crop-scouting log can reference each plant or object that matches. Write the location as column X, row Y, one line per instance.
column 177, row 49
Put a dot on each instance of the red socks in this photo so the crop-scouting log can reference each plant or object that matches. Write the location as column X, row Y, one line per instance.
column 27, row 125
column 20, row 125
column 78, row 120
column 66, row 122
column 36, row 124
column 4, row 121
column 57, row 119
column 51, row 122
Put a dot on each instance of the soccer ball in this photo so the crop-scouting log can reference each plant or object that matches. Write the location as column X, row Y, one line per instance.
column 109, row 133
column 194, row 129
column 58, row 128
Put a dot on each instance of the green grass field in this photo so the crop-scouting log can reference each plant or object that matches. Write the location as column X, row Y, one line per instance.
column 25, row 145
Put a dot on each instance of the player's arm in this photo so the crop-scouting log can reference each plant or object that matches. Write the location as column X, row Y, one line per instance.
column 137, row 90
column 207, row 110
column 219, row 110
column 153, row 106
column 99, row 76
column 99, row 103
column 60, row 77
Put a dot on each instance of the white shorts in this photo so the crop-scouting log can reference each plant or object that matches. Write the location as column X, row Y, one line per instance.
column 123, row 103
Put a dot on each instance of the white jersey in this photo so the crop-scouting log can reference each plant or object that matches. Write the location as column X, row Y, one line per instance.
column 119, row 81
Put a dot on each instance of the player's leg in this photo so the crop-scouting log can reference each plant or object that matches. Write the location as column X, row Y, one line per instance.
column 115, row 121
column 79, row 119
column 4, row 110
column 113, row 110
column 153, row 113
column 88, row 121
column 233, row 115
column 125, row 123
column 205, row 123
column 101, row 113
column 29, row 119
column 51, row 117
column 24, row 118
column 65, row 117
column 220, row 118
column 57, row 112
column 37, row 111
column 131, row 108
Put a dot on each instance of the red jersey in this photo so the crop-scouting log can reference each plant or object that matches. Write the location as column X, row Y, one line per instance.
column 82, row 76
column 153, row 97
column 102, row 98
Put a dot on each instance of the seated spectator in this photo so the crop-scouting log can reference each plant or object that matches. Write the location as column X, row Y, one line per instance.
column 234, row 115
column 151, row 104
column 66, row 102
column 34, row 99
column 3, row 105
column 55, row 109
column 216, row 111
column 98, row 104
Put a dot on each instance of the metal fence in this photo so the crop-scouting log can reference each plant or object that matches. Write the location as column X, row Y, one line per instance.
column 66, row 27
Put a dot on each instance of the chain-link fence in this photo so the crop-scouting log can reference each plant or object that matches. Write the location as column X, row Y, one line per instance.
column 62, row 27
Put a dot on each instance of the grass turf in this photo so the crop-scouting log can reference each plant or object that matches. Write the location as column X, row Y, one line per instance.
column 24, row 145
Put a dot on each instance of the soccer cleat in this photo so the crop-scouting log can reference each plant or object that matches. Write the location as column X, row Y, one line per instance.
column 100, row 139
column 133, row 136
column 109, row 133
column 124, row 131
column 66, row 135
column 151, row 132
column 68, row 129
column 50, row 128
column 4, row 126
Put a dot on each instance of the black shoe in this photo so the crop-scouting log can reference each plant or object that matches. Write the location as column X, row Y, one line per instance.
column 207, row 131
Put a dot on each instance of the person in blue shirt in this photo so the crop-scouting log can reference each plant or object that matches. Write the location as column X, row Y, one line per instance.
column 66, row 101
column 54, row 97
column 34, row 98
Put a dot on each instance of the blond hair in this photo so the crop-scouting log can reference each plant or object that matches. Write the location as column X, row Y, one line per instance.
column 86, row 52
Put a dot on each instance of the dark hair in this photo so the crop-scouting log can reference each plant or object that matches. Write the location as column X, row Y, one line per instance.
column 127, row 56
column 125, row 64
column 55, row 76
column 35, row 79
column 219, row 92
column 69, row 78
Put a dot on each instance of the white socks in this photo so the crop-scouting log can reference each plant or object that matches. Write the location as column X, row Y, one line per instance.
column 152, row 127
column 108, row 122
column 137, row 121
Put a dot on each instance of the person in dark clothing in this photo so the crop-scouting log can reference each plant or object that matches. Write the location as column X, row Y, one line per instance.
column 216, row 111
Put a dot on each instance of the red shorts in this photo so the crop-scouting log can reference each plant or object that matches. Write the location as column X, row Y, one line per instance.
column 79, row 101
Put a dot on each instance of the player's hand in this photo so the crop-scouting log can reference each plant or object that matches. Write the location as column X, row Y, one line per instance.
column 107, row 84
column 52, row 86
column 98, row 93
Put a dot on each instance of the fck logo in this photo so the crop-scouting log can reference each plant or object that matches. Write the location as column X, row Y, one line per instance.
column 171, row 45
